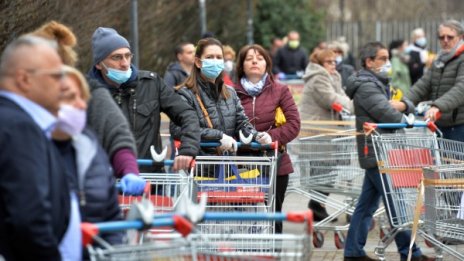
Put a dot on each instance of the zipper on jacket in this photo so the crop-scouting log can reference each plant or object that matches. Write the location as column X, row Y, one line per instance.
column 134, row 107
column 254, row 116
column 221, row 117
column 82, row 200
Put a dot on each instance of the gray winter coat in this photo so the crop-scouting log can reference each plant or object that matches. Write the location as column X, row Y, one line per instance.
column 321, row 90
column 227, row 116
column 371, row 104
column 445, row 88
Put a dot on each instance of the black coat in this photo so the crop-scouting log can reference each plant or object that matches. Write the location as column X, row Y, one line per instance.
column 371, row 104
column 290, row 61
column 148, row 94
column 34, row 195
column 227, row 115
column 174, row 75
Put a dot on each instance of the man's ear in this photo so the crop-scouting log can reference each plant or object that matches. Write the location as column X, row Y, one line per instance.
column 98, row 66
column 22, row 80
column 369, row 63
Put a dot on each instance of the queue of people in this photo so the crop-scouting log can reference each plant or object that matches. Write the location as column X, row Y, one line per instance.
column 83, row 132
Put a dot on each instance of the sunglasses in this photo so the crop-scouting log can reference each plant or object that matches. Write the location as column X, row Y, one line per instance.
column 447, row 37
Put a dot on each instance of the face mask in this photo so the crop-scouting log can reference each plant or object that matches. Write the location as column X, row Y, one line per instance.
column 71, row 120
column 385, row 70
column 338, row 59
column 118, row 76
column 211, row 68
column 421, row 42
column 228, row 66
column 294, row 44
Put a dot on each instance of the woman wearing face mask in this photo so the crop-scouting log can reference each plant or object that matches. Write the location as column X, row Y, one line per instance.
column 323, row 87
column 229, row 66
column 218, row 107
column 89, row 172
column 260, row 95
column 443, row 84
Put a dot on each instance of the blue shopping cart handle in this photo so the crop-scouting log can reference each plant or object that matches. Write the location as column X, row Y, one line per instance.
column 253, row 145
column 368, row 126
column 115, row 226
column 150, row 162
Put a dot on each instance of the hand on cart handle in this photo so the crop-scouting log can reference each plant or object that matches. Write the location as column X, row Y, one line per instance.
column 339, row 108
column 132, row 184
column 263, row 138
column 433, row 114
column 183, row 162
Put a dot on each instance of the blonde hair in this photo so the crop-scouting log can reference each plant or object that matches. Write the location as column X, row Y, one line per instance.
column 229, row 50
column 83, row 85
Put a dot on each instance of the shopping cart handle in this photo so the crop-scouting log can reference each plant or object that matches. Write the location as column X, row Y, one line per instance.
column 90, row 230
column 417, row 124
column 253, row 145
column 150, row 162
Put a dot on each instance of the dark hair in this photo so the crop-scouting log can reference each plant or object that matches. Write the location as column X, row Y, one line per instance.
column 369, row 51
column 192, row 79
column 242, row 55
column 394, row 45
column 180, row 48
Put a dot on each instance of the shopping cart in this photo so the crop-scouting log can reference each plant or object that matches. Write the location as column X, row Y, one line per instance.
column 327, row 164
column 186, row 245
column 401, row 158
column 237, row 183
column 444, row 208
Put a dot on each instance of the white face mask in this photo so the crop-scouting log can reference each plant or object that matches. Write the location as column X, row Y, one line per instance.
column 228, row 66
column 385, row 70
column 71, row 120
column 338, row 59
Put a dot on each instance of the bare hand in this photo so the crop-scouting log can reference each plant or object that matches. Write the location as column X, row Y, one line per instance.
column 432, row 114
column 398, row 105
column 182, row 162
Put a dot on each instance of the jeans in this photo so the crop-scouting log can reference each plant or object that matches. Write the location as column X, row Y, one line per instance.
column 453, row 133
column 362, row 217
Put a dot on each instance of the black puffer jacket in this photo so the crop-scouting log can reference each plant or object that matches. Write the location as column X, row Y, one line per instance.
column 227, row 116
column 142, row 98
column 371, row 104
column 174, row 75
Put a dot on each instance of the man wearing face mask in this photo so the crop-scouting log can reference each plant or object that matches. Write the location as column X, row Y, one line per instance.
column 87, row 166
column 370, row 93
column 443, row 83
column 290, row 60
column 418, row 54
column 142, row 95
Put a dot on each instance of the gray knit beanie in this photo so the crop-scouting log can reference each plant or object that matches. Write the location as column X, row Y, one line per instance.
column 105, row 41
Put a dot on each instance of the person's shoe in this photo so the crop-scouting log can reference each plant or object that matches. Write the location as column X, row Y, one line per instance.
column 319, row 212
column 358, row 258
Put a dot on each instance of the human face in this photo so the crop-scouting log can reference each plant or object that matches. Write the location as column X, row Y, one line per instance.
column 119, row 59
column 294, row 36
column 41, row 78
column 378, row 61
column 254, row 65
column 210, row 52
column 73, row 93
column 188, row 54
column 448, row 38
column 330, row 64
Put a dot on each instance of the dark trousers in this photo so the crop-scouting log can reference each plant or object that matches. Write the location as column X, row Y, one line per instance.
column 281, row 188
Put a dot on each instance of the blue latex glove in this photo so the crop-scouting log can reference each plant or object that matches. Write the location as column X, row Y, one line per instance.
column 281, row 76
column 132, row 184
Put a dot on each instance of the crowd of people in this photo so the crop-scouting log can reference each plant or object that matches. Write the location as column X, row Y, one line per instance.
column 66, row 136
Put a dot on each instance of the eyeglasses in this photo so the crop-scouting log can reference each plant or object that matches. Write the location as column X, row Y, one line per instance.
column 447, row 37
column 119, row 57
column 331, row 62
column 57, row 75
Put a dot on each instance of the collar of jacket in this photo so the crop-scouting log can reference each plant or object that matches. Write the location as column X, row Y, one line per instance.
column 212, row 89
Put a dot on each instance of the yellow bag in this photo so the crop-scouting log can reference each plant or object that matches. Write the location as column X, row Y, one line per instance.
column 396, row 93
column 279, row 117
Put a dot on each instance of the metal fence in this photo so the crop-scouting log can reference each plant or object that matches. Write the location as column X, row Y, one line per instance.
column 359, row 33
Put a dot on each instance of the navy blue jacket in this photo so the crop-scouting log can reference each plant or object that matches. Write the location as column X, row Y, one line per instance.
column 34, row 194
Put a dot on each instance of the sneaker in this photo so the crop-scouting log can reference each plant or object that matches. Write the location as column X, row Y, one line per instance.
column 358, row 258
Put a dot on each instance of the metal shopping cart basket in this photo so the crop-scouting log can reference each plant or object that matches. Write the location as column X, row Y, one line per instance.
column 401, row 158
column 236, row 183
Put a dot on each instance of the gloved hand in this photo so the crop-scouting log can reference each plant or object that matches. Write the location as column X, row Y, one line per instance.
column 281, row 76
column 132, row 184
column 263, row 138
column 228, row 143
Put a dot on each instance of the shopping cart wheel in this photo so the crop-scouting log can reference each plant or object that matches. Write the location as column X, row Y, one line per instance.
column 318, row 239
column 339, row 239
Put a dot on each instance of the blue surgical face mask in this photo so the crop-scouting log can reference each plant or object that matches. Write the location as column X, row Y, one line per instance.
column 118, row 76
column 421, row 42
column 211, row 68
